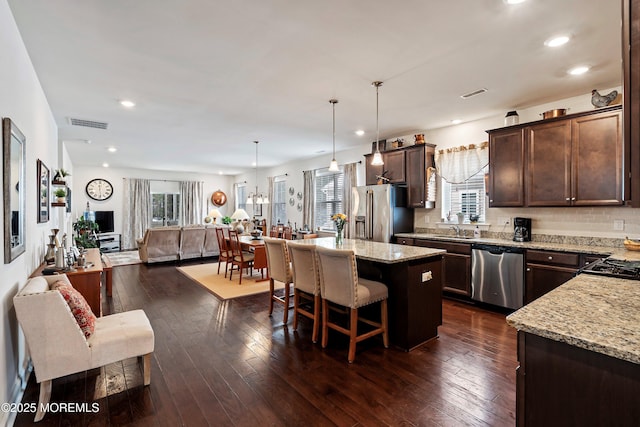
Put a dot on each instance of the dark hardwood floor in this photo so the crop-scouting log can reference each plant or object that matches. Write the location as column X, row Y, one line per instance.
column 230, row 364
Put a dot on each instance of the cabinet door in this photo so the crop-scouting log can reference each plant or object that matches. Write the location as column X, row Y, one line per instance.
column 548, row 180
column 371, row 171
column 394, row 165
column 506, row 168
column 540, row 279
column 416, row 177
column 456, row 274
column 597, row 159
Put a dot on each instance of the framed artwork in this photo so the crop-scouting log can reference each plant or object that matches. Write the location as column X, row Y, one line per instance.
column 68, row 199
column 43, row 191
column 13, row 178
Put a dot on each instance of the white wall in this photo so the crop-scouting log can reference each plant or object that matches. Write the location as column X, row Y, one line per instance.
column 575, row 221
column 24, row 102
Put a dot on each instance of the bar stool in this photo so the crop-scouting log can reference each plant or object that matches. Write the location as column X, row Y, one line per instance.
column 306, row 278
column 340, row 284
column 279, row 269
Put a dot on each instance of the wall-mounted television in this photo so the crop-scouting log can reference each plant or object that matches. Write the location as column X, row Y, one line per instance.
column 104, row 219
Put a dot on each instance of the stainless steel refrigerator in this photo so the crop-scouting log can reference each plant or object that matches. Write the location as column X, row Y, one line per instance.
column 378, row 212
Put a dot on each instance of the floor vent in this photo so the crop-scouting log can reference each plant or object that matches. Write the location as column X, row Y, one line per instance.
column 88, row 123
column 474, row 93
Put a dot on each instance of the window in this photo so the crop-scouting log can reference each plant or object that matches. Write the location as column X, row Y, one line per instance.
column 468, row 198
column 328, row 197
column 279, row 202
column 241, row 197
column 165, row 209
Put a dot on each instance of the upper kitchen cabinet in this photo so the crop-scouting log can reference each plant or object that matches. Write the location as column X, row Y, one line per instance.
column 506, row 167
column 574, row 160
column 631, row 61
column 407, row 166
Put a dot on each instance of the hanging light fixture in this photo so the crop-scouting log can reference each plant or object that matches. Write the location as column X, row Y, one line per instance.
column 333, row 167
column 259, row 199
column 377, row 157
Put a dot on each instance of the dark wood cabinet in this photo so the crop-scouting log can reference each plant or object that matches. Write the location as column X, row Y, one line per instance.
column 548, row 180
column 546, row 270
column 506, row 168
column 403, row 241
column 568, row 161
column 406, row 166
column 456, row 265
column 631, row 94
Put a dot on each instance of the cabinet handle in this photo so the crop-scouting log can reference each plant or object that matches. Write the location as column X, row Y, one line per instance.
column 573, row 199
column 528, row 269
column 550, row 257
column 490, row 200
column 567, row 199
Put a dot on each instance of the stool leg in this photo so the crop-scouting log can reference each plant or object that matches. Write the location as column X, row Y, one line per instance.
column 287, row 289
column 271, row 290
column 316, row 318
column 383, row 318
column 353, row 334
column 146, row 368
column 296, row 303
column 43, row 399
column 325, row 323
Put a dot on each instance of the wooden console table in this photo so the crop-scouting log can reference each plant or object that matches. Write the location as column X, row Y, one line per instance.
column 88, row 281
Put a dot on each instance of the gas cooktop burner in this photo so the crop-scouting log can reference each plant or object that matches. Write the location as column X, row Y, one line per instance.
column 614, row 268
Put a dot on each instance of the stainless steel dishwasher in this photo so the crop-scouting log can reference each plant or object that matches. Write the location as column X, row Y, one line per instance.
column 497, row 275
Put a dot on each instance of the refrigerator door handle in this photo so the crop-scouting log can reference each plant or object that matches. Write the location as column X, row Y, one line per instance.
column 369, row 216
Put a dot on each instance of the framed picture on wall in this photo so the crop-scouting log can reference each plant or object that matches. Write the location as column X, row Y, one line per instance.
column 43, row 191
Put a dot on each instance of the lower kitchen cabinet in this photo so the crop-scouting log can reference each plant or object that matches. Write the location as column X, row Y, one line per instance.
column 456, row 265
column 546, row 270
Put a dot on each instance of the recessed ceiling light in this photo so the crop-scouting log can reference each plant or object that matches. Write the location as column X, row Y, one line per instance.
column 456, row 121
column 557, row 41
column 220, row 173
column 87, row 141
column 105, row 165
column 578, row 70
column 514, row 1
column 359, row 132
column 127, row 103
column 112, row 149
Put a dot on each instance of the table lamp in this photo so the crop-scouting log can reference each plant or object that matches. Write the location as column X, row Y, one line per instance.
column 238, row 216
column 215, row 214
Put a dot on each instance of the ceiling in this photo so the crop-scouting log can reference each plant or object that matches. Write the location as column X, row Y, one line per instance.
column 209, row 77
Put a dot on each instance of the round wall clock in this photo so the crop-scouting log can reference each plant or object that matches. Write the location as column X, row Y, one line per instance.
column 99, row 189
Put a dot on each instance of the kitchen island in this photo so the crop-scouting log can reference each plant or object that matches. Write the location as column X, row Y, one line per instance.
column 579, row 354
column 413, row 276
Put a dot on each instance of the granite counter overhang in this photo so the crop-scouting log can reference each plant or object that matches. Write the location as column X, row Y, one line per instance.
column 600, row 314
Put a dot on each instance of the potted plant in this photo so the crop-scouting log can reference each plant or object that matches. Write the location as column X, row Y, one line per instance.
column 226, row 220
column 61, row 195
column 85, row 233
column 60, row 176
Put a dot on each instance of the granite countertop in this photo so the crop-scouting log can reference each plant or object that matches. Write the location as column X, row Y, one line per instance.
column 600, row 314
column 579, row 245
column 388, row 253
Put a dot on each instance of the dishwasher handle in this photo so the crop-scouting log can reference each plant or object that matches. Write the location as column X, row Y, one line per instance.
column 497, row 249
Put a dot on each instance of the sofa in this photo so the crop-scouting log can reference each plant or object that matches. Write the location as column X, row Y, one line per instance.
column 174, row 243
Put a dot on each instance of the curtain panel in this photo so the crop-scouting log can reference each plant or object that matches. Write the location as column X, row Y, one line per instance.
column 457, row 165
column 192, row 202
column 137, row 205
column 308, row 200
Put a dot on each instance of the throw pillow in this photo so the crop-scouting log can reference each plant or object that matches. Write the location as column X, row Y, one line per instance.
column 78, row 305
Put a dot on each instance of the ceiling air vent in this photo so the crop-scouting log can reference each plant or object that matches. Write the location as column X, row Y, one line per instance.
column 88, row 123
column 474, row 93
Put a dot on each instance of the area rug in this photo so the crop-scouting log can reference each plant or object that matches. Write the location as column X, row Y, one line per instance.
column 223, row 288
column 123, row 258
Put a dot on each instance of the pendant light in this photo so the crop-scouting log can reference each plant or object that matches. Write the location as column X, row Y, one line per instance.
column 333, row 167
column 377, row 157
column 259, row 199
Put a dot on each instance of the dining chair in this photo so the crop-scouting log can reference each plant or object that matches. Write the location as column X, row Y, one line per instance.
column 279, row 268
column 340, row 284
column 273, row 232
column 287, row 233
column 310, row 236
column 225, row 253
column 239, row 258
column 306, row 279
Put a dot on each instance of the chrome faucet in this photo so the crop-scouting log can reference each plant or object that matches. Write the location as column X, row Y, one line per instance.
column 456, row 229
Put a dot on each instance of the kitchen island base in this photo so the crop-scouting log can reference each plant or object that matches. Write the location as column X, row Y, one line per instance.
column 560, row 384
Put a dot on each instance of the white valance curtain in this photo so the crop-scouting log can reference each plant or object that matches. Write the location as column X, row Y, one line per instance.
column 457, row 165
column 192, row 202
column 137, row 205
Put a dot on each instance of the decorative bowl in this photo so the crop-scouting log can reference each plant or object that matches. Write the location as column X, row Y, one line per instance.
column 632, row 244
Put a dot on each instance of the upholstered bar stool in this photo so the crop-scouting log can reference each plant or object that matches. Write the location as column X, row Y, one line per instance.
column 279, row 269
column 340, row 284
column 307, row 284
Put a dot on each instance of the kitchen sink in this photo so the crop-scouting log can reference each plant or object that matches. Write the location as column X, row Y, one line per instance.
column 449, row 236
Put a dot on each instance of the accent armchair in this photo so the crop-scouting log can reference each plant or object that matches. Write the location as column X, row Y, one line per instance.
column 59, row 347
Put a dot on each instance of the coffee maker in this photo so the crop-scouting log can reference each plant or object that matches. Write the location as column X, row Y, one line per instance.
column 521, row 229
